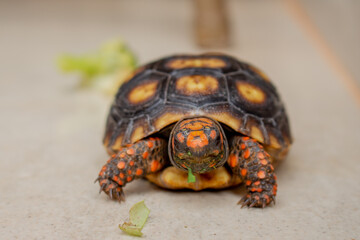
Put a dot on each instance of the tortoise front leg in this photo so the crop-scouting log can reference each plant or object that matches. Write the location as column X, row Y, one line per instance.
column 249, row 160
column 133, row 161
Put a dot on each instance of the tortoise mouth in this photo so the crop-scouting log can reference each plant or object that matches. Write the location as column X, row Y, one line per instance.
column 199, row 165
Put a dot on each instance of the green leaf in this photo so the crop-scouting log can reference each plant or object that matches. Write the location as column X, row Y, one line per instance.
column 139, row 213
column 112, row 63
column 191, row 177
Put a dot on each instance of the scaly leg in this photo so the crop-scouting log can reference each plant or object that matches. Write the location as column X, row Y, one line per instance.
column 133, row 161
column 249, row 160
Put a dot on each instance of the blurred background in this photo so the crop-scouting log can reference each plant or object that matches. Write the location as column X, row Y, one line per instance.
column 155, row 28
column 51, row 133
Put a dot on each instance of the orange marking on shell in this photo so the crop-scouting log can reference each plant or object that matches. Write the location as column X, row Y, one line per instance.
column 130, row 151
column 121, row 165
column 243, row 172
column 121, row 175
column 145, row 155
column 139, row 172
column 180, row 137
column 200, row 62
column 128, row 179
column 247, row 154
column 261, row 155
column 213, row 134
column 233, row 160
column 154, row 165
column 142, row 93
column 261, row 174
column 197, row 84
column 131, row 163
column 150, row 144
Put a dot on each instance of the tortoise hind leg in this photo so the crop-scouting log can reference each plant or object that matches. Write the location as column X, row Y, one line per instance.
column 249, row 160
column 131, row 162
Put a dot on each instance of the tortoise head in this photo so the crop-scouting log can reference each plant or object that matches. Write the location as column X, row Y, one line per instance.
column 199, row 144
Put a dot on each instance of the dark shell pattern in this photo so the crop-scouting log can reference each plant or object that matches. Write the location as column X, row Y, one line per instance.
column 232, row 92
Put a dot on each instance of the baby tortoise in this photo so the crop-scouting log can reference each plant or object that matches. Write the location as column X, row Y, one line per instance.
column 212, row 114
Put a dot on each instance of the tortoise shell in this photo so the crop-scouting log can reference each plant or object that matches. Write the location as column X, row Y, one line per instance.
column 236, row 94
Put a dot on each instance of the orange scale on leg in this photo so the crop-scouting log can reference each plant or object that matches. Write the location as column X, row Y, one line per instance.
column 130, row 151
column 139, row 172
column 154, row 165
column 247, row 153
column 261, row 174
column 150, row 144
column 145, row 155
column 121, row 165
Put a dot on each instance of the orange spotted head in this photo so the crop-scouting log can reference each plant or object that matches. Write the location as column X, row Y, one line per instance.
column 198, row 143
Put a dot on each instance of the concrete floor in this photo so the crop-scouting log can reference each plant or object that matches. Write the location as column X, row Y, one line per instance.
column 50, row 144
column 338, row 22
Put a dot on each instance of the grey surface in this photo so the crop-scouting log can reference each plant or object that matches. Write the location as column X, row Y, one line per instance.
column 50, row 144
column 338, row 21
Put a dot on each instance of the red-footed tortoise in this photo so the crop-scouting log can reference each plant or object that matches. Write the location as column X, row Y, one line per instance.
column 210, row 114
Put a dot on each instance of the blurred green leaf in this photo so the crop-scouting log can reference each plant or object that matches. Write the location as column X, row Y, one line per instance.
column 112, row 63
column 138, row 216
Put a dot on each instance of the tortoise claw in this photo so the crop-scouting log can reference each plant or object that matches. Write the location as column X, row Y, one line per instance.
column 112, row 189
column 244, row 201
column 111, row 193
column 97, row 179
column 253, row 203
column 255, row 199
column 120, row 196
column 273, row 199
column 263, row 203
column 102, row 187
